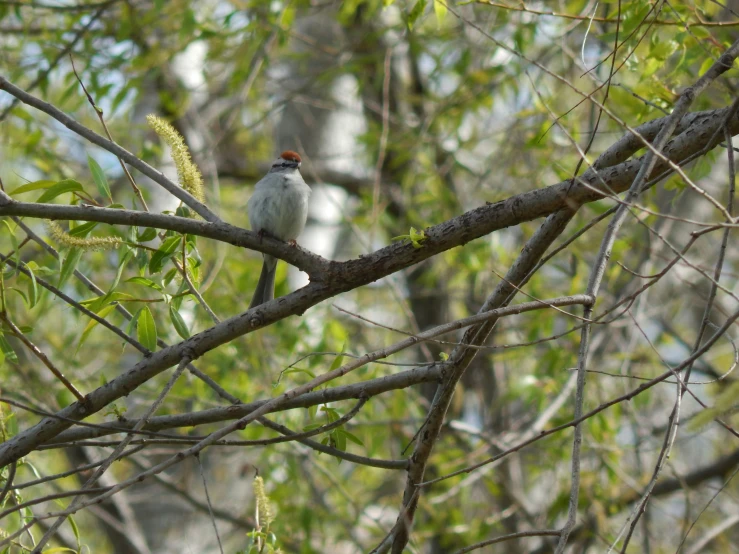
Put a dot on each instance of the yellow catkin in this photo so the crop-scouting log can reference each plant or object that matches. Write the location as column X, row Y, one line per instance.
column 263, row 508
column 187, row 172
column 89, row 243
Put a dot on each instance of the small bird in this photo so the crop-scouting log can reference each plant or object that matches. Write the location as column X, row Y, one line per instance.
column 278, row 208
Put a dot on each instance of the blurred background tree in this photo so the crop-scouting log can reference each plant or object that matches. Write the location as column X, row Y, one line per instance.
column 407, row 114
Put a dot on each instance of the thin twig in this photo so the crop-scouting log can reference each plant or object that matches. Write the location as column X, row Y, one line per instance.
column 43, row 75
column 8, row 482
column 76, row 470
column 116, row 453
column 521, row 7
column 519, row 535
column 387, row 68
column 623, row 398
column 599, row 266
column 157, row 176
column 191, row 286
column 99, row 113
column 36, row 351
column 674, row 419
column 210, row 505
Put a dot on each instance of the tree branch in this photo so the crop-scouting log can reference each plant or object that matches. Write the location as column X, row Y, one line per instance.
column 155, row 175
column 352, row 274
column 239, row 411
column 372, row 387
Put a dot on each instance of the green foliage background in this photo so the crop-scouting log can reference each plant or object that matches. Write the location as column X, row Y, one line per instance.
column 466, row 123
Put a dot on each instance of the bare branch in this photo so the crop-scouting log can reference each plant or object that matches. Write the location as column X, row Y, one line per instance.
column 519, row 535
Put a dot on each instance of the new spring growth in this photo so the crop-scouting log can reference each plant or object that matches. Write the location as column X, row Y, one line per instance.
column 264, row 512
column 415, row 236
column 188, row 173
column 262, row 535
column 84, row 243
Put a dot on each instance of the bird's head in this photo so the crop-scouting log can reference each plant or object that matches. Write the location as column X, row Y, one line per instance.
column 287, row 161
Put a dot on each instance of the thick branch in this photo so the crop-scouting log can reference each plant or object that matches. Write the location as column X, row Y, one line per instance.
column 377, row 386
column 349, row 275
column 221, row 231
column 372, row 387
column 719, row 469
column 459, row 360
column 454, row 232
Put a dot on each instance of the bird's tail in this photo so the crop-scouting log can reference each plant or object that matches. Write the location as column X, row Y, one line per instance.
column 265, row 290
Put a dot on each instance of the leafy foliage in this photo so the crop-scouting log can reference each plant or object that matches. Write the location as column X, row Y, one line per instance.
column 411, row 113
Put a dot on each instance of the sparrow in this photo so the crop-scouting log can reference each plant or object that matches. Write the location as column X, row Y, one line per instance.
column 278, row 208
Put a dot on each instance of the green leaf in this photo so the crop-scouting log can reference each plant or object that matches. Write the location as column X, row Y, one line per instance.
column 146, row 235
column 116, row 410
column 93, row 322
column 707, row 63
column 121, row 266
column 20, row 293
column 298, row 370
column 118, row 98
column 14, row 243
column 132, row 325
column 83, row 230
column 75, row 530
column 339, row 440
column 32, row 288
column 440, row 11
column 415, row 236
column 11, row 428
column 142, row 258
column 171, row 274
column 353, row 438
column 179, row 323
column 68, row 92
column 182, row 211
column 180, row 296
column 7, row 350
column 166, row 251
column 94, row 304
column 287, row 16
column 69, row 265
column 331, row 413
column 35, row 185
column 99, row 177
column 146, row 329
column 146, row 282
column 337, row 361
column 635, row 17
column 416, row 12
column 25, row 329
column 68, row 185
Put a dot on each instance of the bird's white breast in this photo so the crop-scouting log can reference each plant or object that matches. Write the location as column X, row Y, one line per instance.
column 279, row 205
